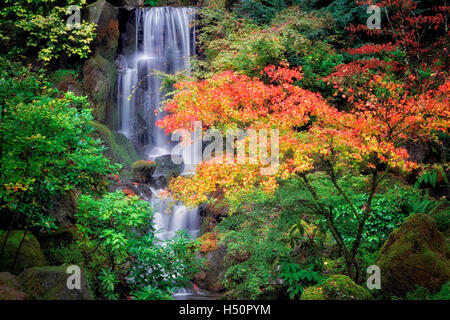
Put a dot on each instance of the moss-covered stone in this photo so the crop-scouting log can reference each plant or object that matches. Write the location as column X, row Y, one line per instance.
column 30, row 254
column 100, row 77
column 336, row 287
column 414, row 255
column 120, row 149
column 50, row 283
column 142, row 170
column 58, row 237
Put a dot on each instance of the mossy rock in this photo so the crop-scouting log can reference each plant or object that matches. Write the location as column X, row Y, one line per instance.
column 67, row 80
column 59, row 246
column 414, row 255
column 30, row 254
column 58, row 237
column 336, row 287
column 100, row 77
column 142, row 170
column 119, row 147
column 50, row 283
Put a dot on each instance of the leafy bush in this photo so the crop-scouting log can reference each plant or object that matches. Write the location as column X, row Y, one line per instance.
column 46, row 148
column 422, row 293
column 298, row 278
column 292, row 36
column 39, row 26
column 122, row 252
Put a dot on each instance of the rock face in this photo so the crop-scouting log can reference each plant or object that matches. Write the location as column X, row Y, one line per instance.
column 119, row 147
column 30, row 254
column 336, row 287
column 99, row 71
column 64, row 209
column 50, row 283
column 211, row 279
column 166, row 169
column 10, row 289
column 414, row 255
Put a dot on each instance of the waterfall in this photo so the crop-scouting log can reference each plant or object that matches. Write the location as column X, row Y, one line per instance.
column 164, row 41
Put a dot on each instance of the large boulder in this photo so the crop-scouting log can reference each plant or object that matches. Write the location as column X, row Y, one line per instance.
column 100, row 73
column 10, row 289
column 30, row 254
column 119, row 147
column 211, row 278
column 336, row 287
column 128, row 3
column 50, row 283
column 414, row 255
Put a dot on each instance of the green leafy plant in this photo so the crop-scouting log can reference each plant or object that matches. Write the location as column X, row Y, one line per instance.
column 121, row 250
column 39, row 26
column 298, row 278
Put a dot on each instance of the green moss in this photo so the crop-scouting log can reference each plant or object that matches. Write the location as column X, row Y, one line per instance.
column 414, row 255
column 99, row 80
column 50, row 283
column 336, row 287
column 120, row 149
column 313, row 293
column 30, row 254
column 142, row 170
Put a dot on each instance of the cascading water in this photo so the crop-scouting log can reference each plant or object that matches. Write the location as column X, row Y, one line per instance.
column 164, row 41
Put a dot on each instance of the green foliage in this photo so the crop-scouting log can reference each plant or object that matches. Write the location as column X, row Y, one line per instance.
column 230, row 43
column 390, row 207
column 257, row 243
column 63, row 254
column 260, row 12
column 421, row 293
column 61, row 74
column 39, row 26
column 298, row 278
column 46, row 148
column 120, row 247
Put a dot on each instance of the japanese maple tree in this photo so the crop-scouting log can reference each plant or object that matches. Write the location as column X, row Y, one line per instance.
column 313, row 136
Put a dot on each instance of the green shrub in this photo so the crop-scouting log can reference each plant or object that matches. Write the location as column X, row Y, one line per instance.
column 39, row 26
column 120, row 248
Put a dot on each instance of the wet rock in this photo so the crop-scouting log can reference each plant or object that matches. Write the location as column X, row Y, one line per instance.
column 64, row 209
column 166, row 168
column 100, row 73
